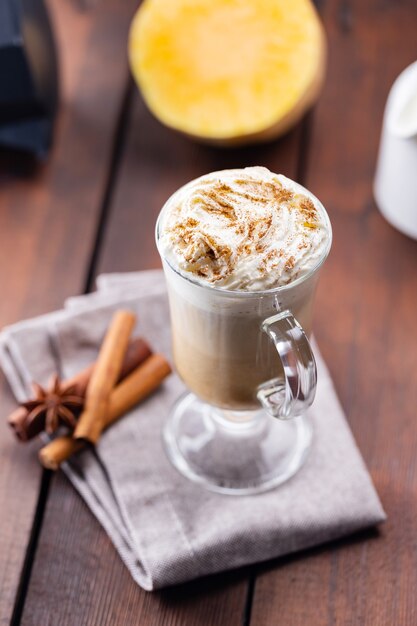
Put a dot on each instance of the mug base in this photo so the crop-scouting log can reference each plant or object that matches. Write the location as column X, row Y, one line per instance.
column 234, row 453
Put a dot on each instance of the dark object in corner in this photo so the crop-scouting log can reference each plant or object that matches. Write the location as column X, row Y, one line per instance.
column 28, row 76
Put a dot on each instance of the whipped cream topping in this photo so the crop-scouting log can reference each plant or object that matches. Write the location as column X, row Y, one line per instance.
column 243, row 229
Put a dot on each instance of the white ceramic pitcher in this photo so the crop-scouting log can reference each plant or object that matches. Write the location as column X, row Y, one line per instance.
column 395, row 185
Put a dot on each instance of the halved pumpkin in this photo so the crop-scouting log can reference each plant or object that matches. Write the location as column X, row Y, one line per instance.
column 228, row 71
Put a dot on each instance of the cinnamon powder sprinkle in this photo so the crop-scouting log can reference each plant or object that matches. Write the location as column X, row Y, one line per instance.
column 290, row 262
column 307, row 207
column 210, row 257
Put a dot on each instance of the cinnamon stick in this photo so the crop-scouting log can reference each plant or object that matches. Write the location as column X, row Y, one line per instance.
column 59, row 450
column 134, row 388
column 104, row 376
column 138, row 350
column 22, row 430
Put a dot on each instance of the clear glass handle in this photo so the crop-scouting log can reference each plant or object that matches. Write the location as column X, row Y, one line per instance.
column 291, row 396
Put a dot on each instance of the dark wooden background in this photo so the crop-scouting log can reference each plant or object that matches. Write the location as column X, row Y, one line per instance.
column 91, row 208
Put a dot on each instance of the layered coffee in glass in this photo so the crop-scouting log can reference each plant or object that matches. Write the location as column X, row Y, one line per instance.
column 241, row 251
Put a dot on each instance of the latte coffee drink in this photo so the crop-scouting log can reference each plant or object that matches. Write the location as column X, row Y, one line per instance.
column 238, row 246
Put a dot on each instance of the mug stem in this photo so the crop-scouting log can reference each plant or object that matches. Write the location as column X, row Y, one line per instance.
column 234, row 458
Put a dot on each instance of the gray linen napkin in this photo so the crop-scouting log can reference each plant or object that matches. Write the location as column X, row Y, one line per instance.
column 166, row 529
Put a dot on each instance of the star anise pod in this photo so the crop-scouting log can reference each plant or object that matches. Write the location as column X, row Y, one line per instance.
column 55, row 404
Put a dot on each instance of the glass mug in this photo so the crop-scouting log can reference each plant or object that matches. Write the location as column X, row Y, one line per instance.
column 246, row 357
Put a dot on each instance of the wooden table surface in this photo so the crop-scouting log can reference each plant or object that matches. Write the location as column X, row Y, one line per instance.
column 92, row 207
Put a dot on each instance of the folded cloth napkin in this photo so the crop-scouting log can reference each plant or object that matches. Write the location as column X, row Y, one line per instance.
column 167, row 529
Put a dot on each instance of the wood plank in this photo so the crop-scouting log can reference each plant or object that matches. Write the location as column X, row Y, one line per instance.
column 48, row 221
column 365, row 324
column 155, row 162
